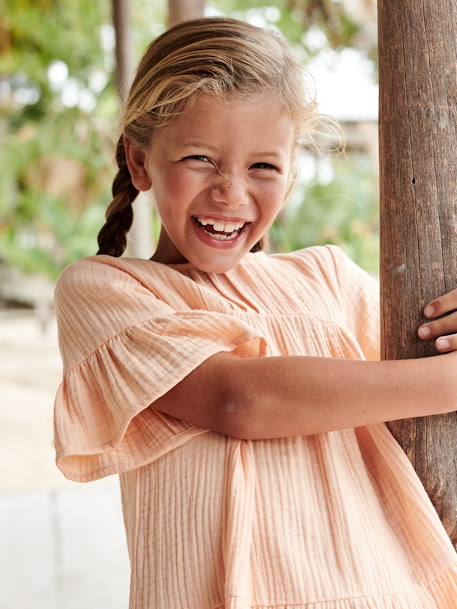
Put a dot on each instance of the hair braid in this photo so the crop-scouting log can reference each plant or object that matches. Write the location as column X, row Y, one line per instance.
column 112, row 238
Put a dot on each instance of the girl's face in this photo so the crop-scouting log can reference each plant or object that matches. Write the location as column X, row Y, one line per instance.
column 227, row 161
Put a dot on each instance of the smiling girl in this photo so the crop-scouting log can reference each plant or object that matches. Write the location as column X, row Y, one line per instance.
column 238, row 393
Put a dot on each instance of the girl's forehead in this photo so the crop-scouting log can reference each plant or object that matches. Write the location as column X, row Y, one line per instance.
column 261, row 117
column 237, row 103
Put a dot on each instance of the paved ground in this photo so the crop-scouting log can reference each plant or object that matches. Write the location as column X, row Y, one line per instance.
column 62, row 543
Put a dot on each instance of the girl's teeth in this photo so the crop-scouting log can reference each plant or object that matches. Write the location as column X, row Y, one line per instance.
column 221, row 237
column 219, row 226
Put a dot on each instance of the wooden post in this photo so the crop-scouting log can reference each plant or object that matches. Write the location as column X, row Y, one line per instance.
column 418, row 182
column 139, row 239
column 123, row 48
column 184, row 10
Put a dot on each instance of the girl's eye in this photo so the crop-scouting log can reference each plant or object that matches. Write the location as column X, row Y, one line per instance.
column 203, row 158
column 266, row 166
column 197, row 157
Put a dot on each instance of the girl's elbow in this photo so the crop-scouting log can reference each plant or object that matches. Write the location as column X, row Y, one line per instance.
column 237, row 415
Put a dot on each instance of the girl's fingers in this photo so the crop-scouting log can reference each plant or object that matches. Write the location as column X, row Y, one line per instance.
column 443, row 304
column 433, row 329
column 443, row 343
column 446, row 343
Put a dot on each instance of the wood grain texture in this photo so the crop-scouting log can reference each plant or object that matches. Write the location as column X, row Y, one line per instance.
column 418, row 181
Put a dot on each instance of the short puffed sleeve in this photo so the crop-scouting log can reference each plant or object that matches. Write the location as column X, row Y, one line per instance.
column 359, row 296
column 122, row 348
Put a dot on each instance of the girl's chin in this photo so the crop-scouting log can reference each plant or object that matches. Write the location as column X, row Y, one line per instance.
column 217, row 261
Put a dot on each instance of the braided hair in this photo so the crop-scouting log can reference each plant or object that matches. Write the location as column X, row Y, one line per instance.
column 112, row 238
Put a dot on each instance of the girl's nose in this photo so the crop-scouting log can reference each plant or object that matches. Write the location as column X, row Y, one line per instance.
column 231, row 190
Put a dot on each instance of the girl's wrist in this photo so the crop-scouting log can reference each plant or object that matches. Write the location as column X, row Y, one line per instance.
column 426, row 386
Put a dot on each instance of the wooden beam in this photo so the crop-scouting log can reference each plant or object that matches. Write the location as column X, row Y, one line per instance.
column 184, row 10
column 418, row 181
column 123, row 48
column 139, row 239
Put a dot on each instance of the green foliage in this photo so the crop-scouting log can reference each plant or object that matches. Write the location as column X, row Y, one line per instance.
column 295, row 17
column 42, row 230
column 344, row 212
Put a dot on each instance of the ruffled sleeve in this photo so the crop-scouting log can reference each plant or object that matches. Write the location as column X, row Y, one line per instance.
column 122, row 348
column 359, row 295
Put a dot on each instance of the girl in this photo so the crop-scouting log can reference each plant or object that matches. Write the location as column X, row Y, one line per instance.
column 231, row 389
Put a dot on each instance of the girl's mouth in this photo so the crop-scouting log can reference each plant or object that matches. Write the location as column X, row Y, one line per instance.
column 216, row 238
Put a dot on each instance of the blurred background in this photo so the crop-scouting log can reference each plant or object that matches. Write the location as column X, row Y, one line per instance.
column 64, row 67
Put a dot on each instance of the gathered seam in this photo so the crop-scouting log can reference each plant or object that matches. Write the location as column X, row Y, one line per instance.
column 308, row 605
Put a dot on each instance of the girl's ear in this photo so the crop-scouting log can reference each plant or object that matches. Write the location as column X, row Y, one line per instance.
column 135, row 158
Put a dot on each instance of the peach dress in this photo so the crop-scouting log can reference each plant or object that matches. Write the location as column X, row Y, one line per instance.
column 337, row 520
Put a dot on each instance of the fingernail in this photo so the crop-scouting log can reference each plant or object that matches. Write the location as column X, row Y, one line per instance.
column 424, row 331
column 443, row 343
column 428, row 311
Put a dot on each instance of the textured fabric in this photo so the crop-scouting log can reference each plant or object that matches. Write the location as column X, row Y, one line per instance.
column 337, row 520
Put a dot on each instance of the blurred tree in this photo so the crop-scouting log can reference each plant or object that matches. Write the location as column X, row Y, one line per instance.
column 58, row 104
column 56, row 110
column 344, row 23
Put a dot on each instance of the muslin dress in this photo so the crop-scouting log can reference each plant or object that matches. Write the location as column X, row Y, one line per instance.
column 335, row 520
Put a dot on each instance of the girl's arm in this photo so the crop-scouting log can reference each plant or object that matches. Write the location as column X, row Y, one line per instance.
column 287, row 396
column 277, row 397
column 200, row 397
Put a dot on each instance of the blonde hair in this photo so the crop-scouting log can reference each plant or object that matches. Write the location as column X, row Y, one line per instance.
column 216, row 55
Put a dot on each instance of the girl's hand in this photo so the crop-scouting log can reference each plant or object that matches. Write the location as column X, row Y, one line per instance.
column 446, row 327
